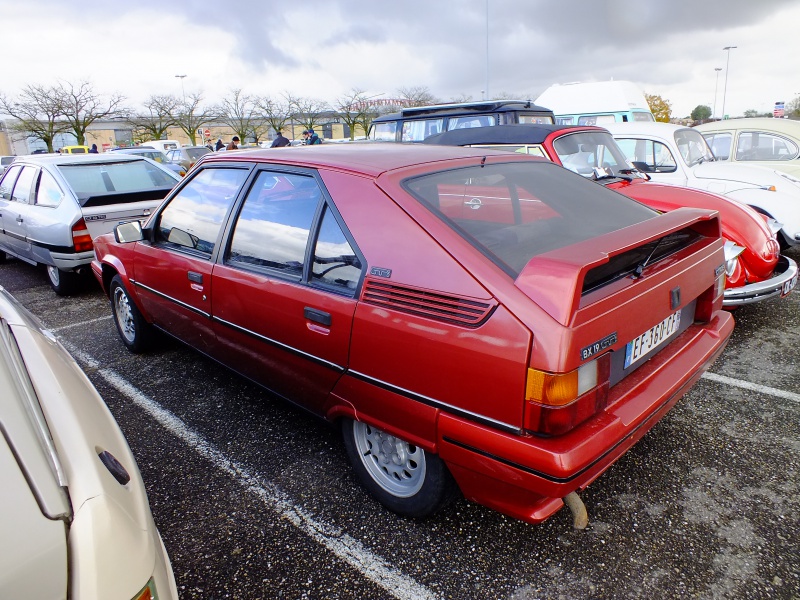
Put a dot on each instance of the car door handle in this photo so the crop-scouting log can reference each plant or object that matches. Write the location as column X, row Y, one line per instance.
column 195, row 277
column 318, row 316
column 20, row 219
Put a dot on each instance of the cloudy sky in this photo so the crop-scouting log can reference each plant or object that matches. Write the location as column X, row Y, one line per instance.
column 323, row 49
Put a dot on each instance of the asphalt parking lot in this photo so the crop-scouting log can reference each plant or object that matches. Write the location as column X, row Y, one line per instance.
column 255, row 499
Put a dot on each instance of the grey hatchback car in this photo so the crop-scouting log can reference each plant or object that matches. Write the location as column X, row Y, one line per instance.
column 53, row 206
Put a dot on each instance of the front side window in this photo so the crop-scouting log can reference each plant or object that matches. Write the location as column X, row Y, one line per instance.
column 48, row 193
column 514, row 211
column 758, row 145
column 384, row 132
column 720, row 144
column 648, row 156
column 192, row 218
column 22, row 189
column 274, row 224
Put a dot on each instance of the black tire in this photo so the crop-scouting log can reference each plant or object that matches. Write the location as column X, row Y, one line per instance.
column 404, row 478
column 134, row 331
column 64, row 283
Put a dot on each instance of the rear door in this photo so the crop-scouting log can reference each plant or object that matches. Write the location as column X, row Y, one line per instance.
column 284, row 293
column 173, row 273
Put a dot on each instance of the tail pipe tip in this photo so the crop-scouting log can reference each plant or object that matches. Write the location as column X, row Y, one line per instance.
column 580, row 518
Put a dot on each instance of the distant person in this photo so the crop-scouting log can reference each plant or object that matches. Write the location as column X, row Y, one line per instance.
column 93, row 149
column 311, row 138
column 280, row 141
column 219, row 145
column 234, row 145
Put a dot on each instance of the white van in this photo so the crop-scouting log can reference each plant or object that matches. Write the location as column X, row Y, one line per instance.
column 596, row 103
column 163, row 145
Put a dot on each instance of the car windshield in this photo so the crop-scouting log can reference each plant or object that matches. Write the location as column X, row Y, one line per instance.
column 693, row 147
column 514, row 211
column 92, row 179
column 195, row 153
column 585, row 151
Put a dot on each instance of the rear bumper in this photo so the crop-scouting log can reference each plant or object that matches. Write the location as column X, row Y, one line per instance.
column 784, row 279
column 71, row 262
column 526, row 477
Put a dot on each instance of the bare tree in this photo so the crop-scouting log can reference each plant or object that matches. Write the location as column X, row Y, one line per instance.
column 161, row 111
column 307, row 111
column 461, row 98
column 276, row 113
column 192, row 117
column 354, row 109
column 239, row 112
column 417, row 96
column 39, row 113
column 83, row 106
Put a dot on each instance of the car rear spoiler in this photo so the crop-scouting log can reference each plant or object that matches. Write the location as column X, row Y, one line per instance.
column 551, row 277
column 109, row 198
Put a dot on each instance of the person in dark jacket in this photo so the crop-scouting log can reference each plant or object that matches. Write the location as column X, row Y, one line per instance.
column 311, row 138
column 219, row 145
column 234, row 145
column 280, row 141
column 93, row 149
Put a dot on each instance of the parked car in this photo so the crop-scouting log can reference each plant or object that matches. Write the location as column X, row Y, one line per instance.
column 186, row 156
column 772, row 143
column 754, row 268
column 74, row 150
column 154, row 155
column 416, row 123
column 461, row 314
column 163, row 145
column 76, row 522
column 53, row 206
column 4, row 162
column 680, row 155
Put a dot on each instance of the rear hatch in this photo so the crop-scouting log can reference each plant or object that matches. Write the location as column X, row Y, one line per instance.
column 103, row 212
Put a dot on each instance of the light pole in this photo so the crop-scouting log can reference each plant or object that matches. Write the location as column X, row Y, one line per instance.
column 182, row 77
column 716, row 86
column 487, row 50
column 727, row 68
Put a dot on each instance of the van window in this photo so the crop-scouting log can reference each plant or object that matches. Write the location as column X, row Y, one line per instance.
column 384, row 131
column 643, row 116
column 536, row 120
column 471, row 121
column 596, row 119
column 416, row 131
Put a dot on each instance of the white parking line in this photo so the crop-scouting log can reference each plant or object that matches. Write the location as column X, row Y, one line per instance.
column 753, row 387
column 82, row 323
column 345, row 547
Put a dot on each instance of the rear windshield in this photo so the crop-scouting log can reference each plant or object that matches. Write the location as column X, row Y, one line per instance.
column 92, row 179
column 195, row 153
column 514, row 211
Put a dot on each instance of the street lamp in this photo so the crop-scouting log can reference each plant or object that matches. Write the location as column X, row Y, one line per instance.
column 716, row 86
column 182, row 77
column 727, row 65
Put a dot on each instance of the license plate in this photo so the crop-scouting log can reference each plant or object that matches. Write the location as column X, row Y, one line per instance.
column 788, row 286
column 651, row 339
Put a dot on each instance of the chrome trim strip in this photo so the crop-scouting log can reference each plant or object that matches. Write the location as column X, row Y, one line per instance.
column 435, row 403
column 171, row 299
column 281, row 345
column 762, row 290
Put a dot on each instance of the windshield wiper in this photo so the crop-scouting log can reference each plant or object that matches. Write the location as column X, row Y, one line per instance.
column 637, row 272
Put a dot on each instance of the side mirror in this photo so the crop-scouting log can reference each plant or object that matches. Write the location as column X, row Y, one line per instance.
column 128, row 232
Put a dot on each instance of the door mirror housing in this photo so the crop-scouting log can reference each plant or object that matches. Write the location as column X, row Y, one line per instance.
column 128, row 232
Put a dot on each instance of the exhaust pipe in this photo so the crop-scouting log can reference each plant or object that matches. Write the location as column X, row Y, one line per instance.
column 580, row 518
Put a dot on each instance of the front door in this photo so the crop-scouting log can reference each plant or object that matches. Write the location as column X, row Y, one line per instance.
column 16, row 211
column 173, row 274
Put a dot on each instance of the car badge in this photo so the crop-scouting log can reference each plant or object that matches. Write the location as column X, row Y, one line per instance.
column 380, row 272
column 598, row 346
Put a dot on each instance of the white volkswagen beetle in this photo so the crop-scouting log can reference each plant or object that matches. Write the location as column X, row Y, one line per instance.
column 75, row 522
column 681, row 156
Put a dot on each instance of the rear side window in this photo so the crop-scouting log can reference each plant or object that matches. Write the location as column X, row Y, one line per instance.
column 193, row 217
column 416, row 131
column 514, row 211
column 758, row 145
column 471, row 121
column 48, row 193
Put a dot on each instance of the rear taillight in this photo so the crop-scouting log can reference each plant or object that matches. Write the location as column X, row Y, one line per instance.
column 81, row 239
column 710, row 301
column 556, row 403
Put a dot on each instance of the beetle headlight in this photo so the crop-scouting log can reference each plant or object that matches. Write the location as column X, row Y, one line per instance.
column 732, row 252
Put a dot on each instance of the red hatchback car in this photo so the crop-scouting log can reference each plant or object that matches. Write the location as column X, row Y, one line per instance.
column 464, row 315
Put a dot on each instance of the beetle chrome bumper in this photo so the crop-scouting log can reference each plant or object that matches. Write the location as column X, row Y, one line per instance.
column 783, row 281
